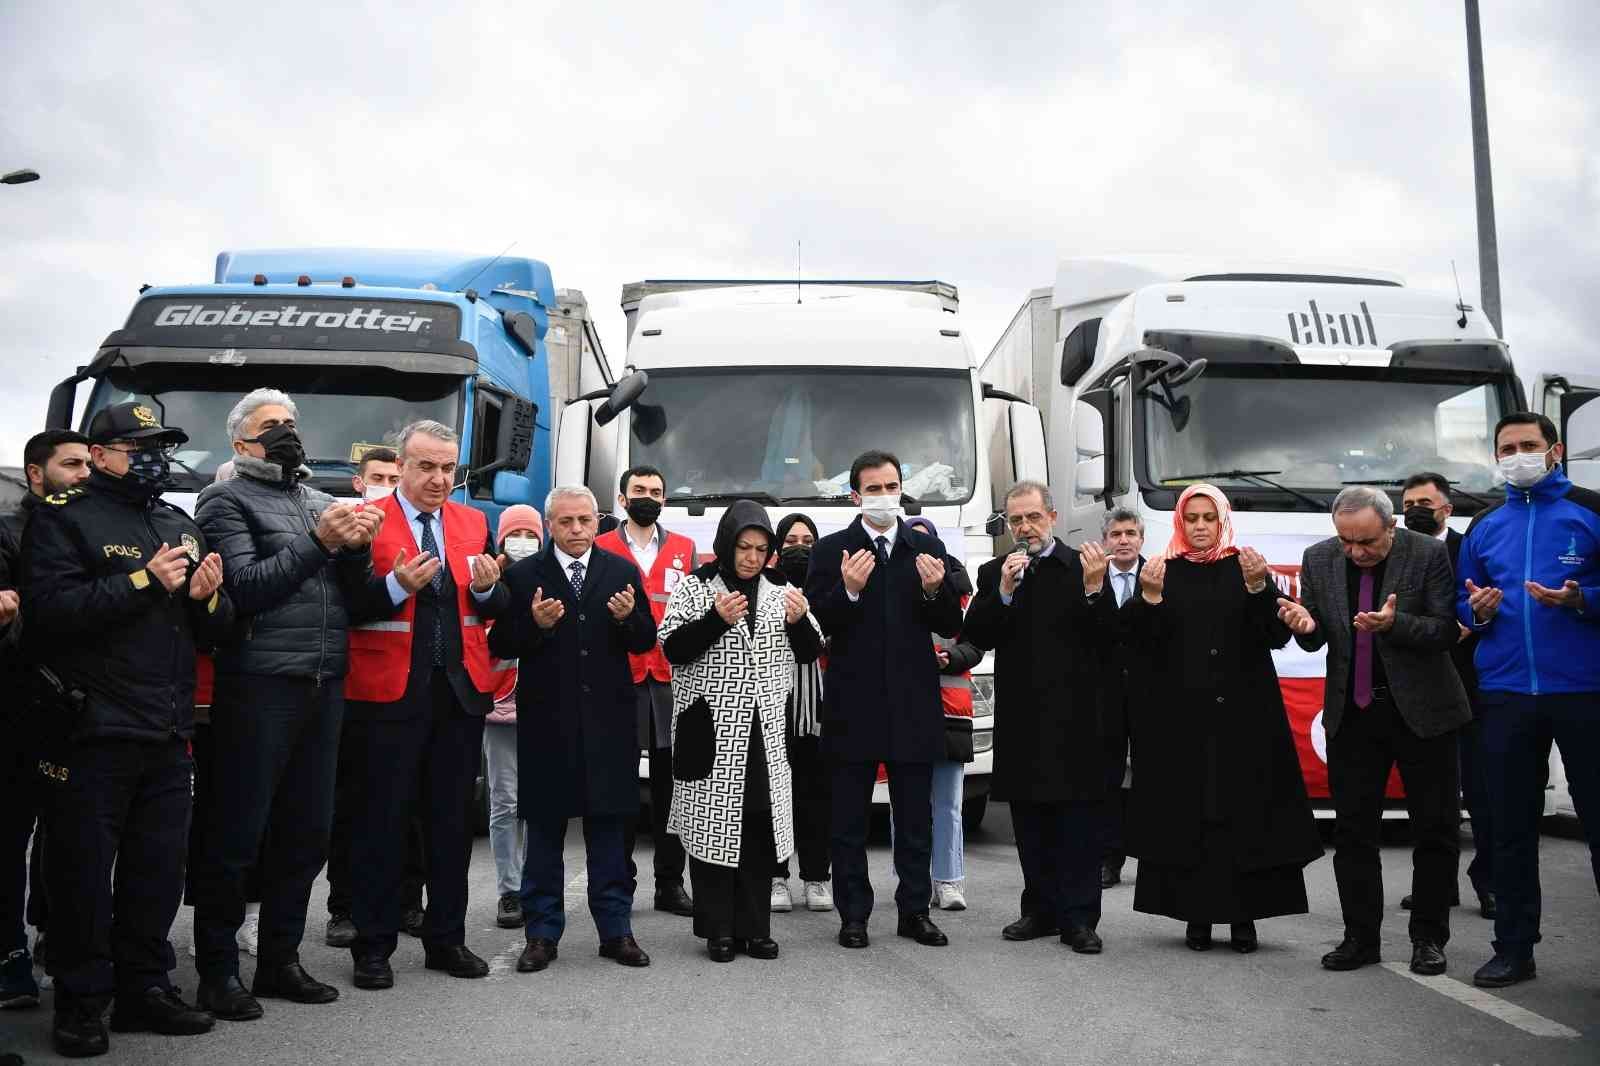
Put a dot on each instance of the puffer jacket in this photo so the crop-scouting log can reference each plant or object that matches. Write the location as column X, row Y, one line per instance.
column 293, row 597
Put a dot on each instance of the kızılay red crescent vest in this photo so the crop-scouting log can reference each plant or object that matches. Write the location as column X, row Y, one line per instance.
column 676, row 557
column 955, row 690
column 380, row 652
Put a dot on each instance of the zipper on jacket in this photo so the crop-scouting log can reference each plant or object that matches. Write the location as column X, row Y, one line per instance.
column 172, row 689
column 1527, row 604
column 322, row 587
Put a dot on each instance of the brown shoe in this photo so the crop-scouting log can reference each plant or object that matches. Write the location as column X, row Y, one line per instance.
column 625, row 950
column 537, row 955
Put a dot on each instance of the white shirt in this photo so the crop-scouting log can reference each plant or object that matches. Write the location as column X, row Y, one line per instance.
column 890, row 535
column 1117, row 586
column 566, row 561
column 397, row 594
column 645, row 556
column 1048, row 549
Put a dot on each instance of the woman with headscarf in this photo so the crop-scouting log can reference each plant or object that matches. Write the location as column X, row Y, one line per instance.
column 1220, row 819
column 733, row 632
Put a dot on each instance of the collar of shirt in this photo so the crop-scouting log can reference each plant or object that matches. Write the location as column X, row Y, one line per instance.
column 411, row 511
column 891, row 534
column 645, row 554
column 1115, row 569
column 1443, row 534
column 566, row 560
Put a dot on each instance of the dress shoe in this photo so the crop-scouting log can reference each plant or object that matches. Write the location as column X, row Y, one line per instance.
column 226, row 998
column 79, row 1031
column 1030, row 927
column 761, row 947
column 1486, row 905
column 341, row 932
column 1197, row 936
column 1351, row 955
column 539, row 953
column 853, row 935
column 372, row 972
column 457, row 960
column 720, row 949
column 1427, row 958
column 508, row 915
column 1083, row 940
column 411, row 921
column 1242, row 937
column 291, row 982
column 920, row 928
column 674, row 900
column 1110, row 874
column 1503, row 970
column 624, row 949
column 159, row 1010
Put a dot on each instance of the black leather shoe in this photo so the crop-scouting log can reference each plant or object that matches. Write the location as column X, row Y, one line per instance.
column 539, row 953
column 1486, row 905
column 226, row 999
column 159, row 1010
column 1030, row 927
column 1242, row 937
column 79, row 1031
column 720, row 949
column 1427, row 959
column 853, row 935
column 674, row 900
column 411, row 921
column 457, row 960
column 372, row 972
column 291, row 982
column 920, row 928
column 1503, row 970
column 1110, row 874
column 508, row 915
column 1350, row 955
column 624, row 949
column 341, row 932
column 1197, row 936
column 761, row 947
column 1083, row 940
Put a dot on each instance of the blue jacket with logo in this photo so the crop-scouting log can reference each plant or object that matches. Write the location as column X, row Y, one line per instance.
column 1549, row 534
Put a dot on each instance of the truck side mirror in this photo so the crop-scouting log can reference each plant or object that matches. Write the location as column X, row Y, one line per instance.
column 1580, row 429
column 623, row 395
column 1089, row 443
column 1077, row 350
column 1029, row 458
column 502, row 437
column 511, row 487
column 524, row 330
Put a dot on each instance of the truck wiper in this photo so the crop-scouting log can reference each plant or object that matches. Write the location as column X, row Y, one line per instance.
column 816, row 499
column 1394, row 483
column 1262, row 477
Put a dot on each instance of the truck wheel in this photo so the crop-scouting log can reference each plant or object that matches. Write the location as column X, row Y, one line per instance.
column 972, row 812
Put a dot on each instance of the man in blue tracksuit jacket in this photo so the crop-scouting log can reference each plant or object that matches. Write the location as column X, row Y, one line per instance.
column 1530, row 573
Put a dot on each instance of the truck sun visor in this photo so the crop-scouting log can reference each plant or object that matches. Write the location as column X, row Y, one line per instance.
column 286, row 322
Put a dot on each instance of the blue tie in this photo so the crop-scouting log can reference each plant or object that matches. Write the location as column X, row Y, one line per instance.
column 577, row 577
column 431, row 546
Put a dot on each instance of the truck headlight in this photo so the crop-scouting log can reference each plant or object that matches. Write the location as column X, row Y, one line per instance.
column 982, row 695
column 982, row 741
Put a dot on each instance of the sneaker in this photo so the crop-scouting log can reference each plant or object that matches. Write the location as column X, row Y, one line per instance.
column 782, row 902
column 18, row 989
column 818, row 897
column 509, row 913
column 249, row 932
column 46, row 982
column 947, row 896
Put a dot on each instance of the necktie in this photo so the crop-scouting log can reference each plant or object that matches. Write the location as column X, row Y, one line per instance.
column 1363, row 693
column 1124, row 580
column 431, row 546
column 577, row 577
column 883, row 551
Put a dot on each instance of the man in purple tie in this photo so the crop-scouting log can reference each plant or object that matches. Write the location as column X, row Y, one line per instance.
column 1382, row 601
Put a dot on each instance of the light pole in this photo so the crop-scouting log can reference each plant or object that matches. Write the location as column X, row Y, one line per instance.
column 1488, row 246
column 19, row 177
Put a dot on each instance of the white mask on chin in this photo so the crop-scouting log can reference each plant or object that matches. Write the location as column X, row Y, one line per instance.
column 879, row 512
column 374, row 493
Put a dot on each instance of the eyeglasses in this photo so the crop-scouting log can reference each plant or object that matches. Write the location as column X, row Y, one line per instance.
column 133, row 448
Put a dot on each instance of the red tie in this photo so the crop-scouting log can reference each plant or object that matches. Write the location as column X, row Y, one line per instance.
column 1363, row 693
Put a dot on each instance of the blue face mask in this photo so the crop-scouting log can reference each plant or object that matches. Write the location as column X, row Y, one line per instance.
column 150, row 467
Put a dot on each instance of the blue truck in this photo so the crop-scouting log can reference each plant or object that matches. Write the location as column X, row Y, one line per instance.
column 365, row 341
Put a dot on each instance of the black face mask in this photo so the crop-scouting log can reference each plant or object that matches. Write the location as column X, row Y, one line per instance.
column 283, row 447
column 643, row 511
column 149, row 469
column 794, row 561
column 1421, row 519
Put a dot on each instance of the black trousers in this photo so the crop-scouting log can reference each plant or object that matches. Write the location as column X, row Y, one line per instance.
column 813, row 791
column 201, row 746
column 274, row 746
column 19, row 815
column 436, row 749
column 735, row 901
column 118, row 818
column 1475, row 795
column 1058, row 846
column 669, row 857
column 1360, row 754
column 348, row 797
column 911, row 796
column 1113, row 848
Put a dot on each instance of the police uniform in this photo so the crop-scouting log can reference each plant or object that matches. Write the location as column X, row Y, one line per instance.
column 114, row 736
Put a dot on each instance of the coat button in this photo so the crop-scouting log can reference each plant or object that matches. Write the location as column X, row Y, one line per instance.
column 583, row 651
column 1213, row 651
column 1219, row 699
column 583, row 618
column 586, row 688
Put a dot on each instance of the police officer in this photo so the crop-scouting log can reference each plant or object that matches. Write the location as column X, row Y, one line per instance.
column 118, row 589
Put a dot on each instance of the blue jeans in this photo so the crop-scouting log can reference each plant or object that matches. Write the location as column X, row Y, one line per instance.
column 506, row 837
column 544, row 879
column 1517, row 731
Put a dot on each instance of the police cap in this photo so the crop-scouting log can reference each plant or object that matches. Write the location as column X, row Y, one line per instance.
column 131, row 421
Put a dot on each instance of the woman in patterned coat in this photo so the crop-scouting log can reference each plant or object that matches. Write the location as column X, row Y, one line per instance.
column 733, row 632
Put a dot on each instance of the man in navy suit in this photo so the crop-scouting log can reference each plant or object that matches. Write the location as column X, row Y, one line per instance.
column 1122, row 536
column 878, row 587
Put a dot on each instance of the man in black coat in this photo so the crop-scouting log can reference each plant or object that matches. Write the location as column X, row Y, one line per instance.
column 1044, row 612
column 880, row 592
column 575, row 615
column 1122, row 537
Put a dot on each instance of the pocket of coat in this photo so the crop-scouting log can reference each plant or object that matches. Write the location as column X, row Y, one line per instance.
column 694, row 743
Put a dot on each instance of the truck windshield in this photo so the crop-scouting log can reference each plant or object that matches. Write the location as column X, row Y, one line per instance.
column 341, row 410
column 792, row 433
column 1312, row 430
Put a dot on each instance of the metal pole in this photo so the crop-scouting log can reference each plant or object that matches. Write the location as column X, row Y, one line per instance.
column 1488, row 246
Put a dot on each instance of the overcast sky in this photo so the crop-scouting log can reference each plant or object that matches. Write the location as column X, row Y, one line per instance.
column 977, row 143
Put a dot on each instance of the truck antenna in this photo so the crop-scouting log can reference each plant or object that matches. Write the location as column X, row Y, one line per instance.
column 1461, row 305
column 796, row 271
column 487, row 265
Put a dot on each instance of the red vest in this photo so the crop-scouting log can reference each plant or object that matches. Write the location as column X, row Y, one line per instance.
column 955, row 690
column 204, row 678
column 676, row 556
column 380, row 652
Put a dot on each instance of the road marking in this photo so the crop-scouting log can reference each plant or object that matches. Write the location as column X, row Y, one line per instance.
column 1494, row 1006
column 505, row 961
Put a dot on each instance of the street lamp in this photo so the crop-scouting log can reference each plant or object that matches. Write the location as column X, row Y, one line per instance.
column 19, row 177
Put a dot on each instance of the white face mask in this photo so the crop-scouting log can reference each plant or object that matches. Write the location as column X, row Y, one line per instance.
column 519, row 548
column 880, row 511
column 374, row 493
column 1524, row 469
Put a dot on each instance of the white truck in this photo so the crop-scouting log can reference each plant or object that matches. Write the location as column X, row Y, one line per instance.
column 768, row 390
column 1279, row 382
